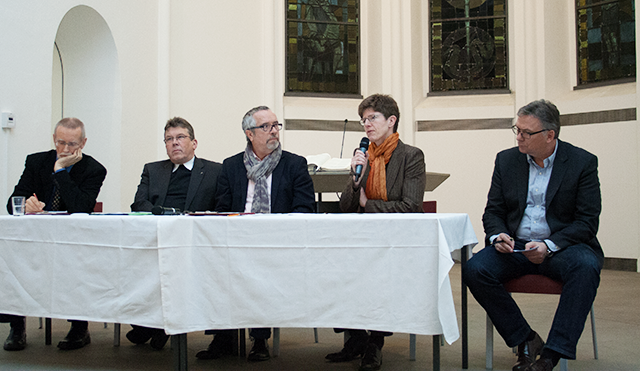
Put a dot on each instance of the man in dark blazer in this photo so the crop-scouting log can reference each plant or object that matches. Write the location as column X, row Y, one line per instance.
column 261, row 179
column 183, row 182
column 63, row 179
column 544, row 199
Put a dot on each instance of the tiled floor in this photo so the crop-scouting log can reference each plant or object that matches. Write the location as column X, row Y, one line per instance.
column 617, row 309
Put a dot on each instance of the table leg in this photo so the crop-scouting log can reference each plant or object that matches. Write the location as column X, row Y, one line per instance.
column 436, row 352
column 179, row 346
column 465, row 333
column 47, row 331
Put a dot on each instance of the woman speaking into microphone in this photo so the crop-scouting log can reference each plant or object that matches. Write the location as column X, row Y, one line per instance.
column 392, row 181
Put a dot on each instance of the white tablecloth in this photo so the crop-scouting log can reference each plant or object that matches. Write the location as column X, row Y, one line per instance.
column 190, row 273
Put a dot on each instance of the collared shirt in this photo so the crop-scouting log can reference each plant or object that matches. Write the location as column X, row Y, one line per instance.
column 534, row 226
column 188, row 164
column 251, row 187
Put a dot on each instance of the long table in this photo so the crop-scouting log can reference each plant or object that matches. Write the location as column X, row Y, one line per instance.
column 384, row 272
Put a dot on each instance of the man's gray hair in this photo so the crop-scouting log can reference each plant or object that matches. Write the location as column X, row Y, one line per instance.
column 248, row 121
column 71, row 123
column 544, row 111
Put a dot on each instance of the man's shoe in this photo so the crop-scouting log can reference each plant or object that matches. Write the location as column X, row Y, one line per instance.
column 220, row 346
column 158, row 339
column 372, row 359
column 528, row 352
column 542, row 364
column 353, row 348
column 259, row 351
column 139, row 335
column 75, row 339
column 17, row 339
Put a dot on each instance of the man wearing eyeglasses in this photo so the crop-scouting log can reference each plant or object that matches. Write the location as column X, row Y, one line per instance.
column 182, row 182
column 63, row 179
column 541, row 217
column 261, row 179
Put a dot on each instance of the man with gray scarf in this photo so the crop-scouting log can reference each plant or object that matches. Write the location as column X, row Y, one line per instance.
column 261, row 179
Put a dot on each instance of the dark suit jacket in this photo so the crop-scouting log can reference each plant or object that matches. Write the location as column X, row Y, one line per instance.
column 153, row 186
column 573, row 202
column 79, row 187
column 406, row 179
column 291, row 185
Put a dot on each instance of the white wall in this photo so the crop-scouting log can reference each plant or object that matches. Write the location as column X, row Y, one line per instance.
column 209, row 62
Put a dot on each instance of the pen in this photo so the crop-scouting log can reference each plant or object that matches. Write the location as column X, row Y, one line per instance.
column 34, row 195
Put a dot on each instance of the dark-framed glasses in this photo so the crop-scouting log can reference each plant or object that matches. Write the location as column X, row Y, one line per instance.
column 179, row 138
column 268, row 127
column 525, row 134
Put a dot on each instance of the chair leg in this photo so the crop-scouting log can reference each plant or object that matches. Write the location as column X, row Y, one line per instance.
column 489, row 345
column 116, row 334
column 242, row 340
column 412, row 347
column 593, row 334
column 276, row 341
column 315, row 334
column 40, row 322
column 564, row 365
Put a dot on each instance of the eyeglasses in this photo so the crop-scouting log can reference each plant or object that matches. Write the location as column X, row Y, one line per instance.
column 268, row 127
column 62, row 143
column 525, row 134
column 371, row 118
column 179, row 138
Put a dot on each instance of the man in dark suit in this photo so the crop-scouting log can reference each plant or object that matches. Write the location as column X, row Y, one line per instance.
column 393, row 181
column 63, row 179
column 183, row 182
column 261, row 179
column 545, row 200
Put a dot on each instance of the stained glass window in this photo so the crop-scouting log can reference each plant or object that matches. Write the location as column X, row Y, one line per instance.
column 606, row 40
column 323, row 46
column 468, row 44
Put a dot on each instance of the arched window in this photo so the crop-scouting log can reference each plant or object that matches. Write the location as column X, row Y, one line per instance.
column 323, row 46
column 468, row 44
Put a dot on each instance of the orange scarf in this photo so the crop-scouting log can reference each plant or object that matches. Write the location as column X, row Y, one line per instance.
column 379, row 157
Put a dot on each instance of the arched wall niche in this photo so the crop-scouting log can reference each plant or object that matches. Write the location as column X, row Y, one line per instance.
column 86, row 84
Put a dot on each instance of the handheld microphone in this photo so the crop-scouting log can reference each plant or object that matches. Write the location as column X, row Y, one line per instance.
column 364, row 146
column 159, row 210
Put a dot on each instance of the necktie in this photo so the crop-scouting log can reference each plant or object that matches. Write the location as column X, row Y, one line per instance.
column 55, row 202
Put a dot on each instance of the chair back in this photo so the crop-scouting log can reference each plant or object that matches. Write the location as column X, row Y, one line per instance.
column 429, row 206
column 98, row 207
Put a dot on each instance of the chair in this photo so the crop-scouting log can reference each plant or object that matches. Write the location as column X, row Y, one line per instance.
column 535, row 284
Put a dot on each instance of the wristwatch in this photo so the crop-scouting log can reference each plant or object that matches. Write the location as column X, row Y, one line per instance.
column 549, row 251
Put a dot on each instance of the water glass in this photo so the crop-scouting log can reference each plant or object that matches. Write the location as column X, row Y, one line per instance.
column 19, row 204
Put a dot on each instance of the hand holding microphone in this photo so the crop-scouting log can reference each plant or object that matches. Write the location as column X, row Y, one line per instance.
column 358, row 159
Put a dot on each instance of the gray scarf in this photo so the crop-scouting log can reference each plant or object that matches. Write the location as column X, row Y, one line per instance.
column 259, row 171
